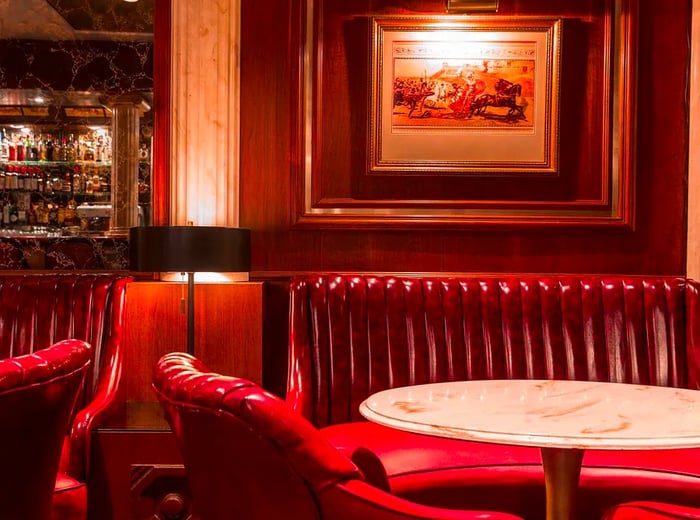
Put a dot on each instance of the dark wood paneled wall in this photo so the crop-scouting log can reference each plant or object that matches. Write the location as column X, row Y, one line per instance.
column 270, row 61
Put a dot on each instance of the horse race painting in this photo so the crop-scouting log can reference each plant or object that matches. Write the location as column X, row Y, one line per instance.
column 465, row 95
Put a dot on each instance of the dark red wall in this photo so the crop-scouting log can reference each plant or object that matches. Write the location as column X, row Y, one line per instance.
column 269, row 131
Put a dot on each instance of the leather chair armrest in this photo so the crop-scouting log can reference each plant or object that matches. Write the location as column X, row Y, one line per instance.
column 95, row 413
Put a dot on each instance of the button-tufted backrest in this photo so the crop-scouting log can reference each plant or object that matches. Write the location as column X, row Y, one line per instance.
column 351, row 336
column 37, row 392
column 247, row 455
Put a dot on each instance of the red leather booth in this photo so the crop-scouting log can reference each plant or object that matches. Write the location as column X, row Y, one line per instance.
column 353, row 335
column 38, row 310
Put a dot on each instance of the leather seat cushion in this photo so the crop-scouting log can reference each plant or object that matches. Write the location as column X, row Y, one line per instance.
column 69, row 499
column 465, row 474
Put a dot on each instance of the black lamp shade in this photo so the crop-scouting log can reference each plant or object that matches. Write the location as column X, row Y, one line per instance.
column 189, row 249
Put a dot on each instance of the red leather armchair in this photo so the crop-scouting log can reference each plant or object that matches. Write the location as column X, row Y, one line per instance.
column 37, row 394
column 248, row 455
column 651, row 511
column 37, row 310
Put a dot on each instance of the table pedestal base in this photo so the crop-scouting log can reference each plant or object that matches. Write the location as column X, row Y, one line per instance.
column 562, row 468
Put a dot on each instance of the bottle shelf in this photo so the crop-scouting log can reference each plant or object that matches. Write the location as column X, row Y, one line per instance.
column 56, row 163
column 72, row 190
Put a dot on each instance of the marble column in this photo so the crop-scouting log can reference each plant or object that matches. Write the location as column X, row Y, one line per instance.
column 205, row 88
column 126, row 113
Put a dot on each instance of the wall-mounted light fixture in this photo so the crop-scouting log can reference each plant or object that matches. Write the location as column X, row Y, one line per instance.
column 472, row 6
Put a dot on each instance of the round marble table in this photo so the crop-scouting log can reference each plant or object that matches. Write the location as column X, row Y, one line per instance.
column 563, row 418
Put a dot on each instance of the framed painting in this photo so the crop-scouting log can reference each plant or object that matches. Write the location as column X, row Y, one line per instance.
column 465, row 95
column 525, row 118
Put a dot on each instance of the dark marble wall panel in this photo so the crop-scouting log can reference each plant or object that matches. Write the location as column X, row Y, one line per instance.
column 107, row 15
column 103, row 66
column 64, row 253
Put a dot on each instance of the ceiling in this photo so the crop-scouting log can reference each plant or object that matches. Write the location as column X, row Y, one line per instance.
column 76, row 19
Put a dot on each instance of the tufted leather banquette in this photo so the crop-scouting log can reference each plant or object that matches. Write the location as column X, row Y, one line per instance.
column 37, row 310
column 351, row 336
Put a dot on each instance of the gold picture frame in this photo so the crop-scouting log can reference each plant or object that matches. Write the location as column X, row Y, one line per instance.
column 467, row 95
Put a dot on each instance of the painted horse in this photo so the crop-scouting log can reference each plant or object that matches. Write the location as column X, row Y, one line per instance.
column 506, row 96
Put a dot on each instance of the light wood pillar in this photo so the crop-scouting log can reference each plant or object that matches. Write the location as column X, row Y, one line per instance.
column 205, row 88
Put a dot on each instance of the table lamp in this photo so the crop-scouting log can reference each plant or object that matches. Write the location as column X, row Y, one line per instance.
column 189, row 249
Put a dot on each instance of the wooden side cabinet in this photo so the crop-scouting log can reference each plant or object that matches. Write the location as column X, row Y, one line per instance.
column 136, row 470
column 228, row 329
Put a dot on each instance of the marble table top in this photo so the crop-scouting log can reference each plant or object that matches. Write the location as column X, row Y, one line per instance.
column 558, row 414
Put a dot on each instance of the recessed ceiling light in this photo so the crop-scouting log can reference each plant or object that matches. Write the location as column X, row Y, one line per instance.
column 131, row 1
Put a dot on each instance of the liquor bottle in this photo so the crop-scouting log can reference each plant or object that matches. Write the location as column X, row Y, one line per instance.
column 11, row 179
column 88, row 152
column 68, row 181
column 4, row 146
column 6, row 211
column 71, row 213
column 14, row 213
column 53, row 214
column 42, row 214
column 11, row 150
column 40, row 180
column 30, row 150
column 71, row 149
column 61, row 151
column 49, row 148
column 23, row 202
column 77, row 187
column 108, row 149
column 42, row 148
column 19, row 146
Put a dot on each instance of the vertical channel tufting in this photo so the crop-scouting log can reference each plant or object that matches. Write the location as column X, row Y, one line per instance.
column 360, row 371
column 635, row 312
column 491, row 329
column 434, row 356
column 453, row 331
column 379, row 359
column 338, row 354
column 533, row 341
column 550, row 310
column 415, row 331
column 398, row 344
column 321, row 344
column 613, row 330
column 352, row 336
column 473, row 337
column 512, row 328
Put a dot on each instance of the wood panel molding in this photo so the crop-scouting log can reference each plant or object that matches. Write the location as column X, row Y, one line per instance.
column 594, row 186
